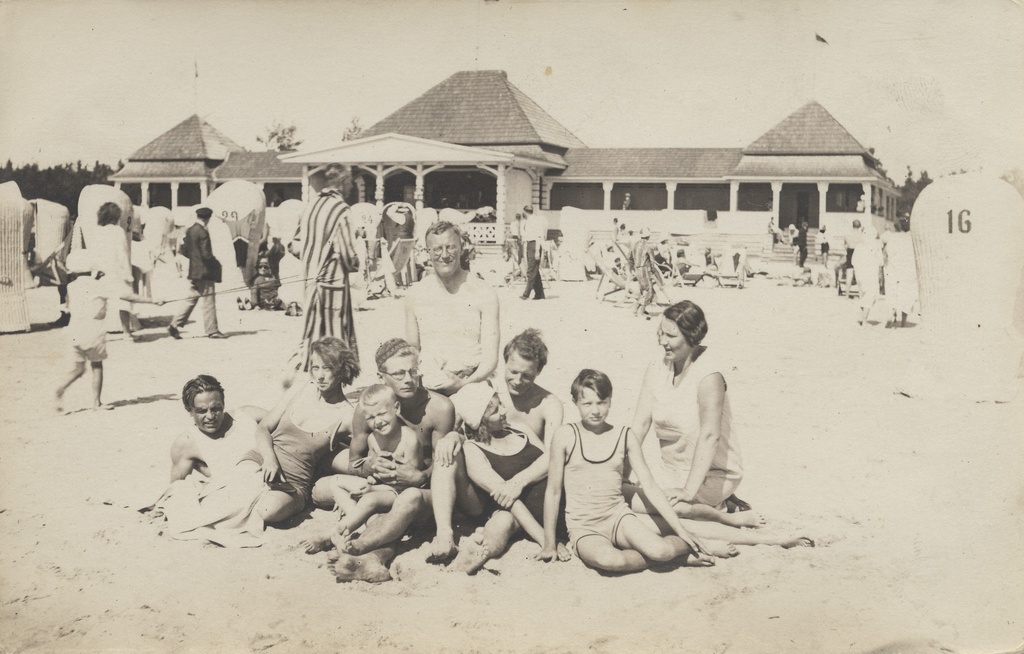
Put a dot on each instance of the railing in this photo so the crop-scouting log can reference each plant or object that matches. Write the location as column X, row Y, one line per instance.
column 481, row 233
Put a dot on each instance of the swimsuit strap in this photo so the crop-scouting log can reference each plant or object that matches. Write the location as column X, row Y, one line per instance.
column 575, row 438
column 607, row 458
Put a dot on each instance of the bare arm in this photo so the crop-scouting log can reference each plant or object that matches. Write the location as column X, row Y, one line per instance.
column 490, row 332
column 553, row 494
column 479, row 468
column 537, row 470
column 184, row 458
column 264, row 439
column 635, row 455
column 642, row 416
column 711, row 400
column 412, row 326
column 360, row 446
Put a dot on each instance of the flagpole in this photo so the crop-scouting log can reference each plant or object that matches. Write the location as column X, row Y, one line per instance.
column 195, row 88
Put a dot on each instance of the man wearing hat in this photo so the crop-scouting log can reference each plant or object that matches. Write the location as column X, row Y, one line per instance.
column 534, row 233
column 643, row 261
column 204, row 272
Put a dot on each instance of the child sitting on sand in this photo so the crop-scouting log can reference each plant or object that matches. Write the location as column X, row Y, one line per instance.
column 359, row 498
column 88, row 293
column 589, row 458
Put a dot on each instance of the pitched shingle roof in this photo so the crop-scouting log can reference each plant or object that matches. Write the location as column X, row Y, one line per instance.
column 650, row 163
column 809, row 130
column 811, row 166
column 477, row 108
column 191, row 139
column 257, row 166
column 163, row 170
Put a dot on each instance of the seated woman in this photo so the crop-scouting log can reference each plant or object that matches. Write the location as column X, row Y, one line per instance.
column 685, row 397
column 498, row 461
column 299, row 435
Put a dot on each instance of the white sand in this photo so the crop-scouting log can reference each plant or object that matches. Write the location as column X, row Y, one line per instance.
column 916, row 505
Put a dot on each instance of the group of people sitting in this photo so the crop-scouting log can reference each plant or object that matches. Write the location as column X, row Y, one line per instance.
column 433, row 441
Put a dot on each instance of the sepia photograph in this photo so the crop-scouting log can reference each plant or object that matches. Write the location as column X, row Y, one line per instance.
column 512, row 326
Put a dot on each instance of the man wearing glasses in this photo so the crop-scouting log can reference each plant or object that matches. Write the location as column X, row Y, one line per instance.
column 432, row 416
column 452, row 317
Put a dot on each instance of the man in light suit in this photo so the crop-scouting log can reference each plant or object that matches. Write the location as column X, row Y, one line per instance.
column 535, row 232
column 204, row 272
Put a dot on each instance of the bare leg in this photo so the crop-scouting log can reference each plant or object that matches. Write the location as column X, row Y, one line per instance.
column 634, row 535
column 716, row 531
column 76, row 371
column 372, row 567
column 368, row 505
column 641, row 504
column 388, row 528
column 276, row 506
column 97, row 383
column 448, row 485
column 484, row 546
column 599, row 553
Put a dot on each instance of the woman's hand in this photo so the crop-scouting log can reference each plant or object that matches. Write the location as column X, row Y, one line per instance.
column 272, row 469
column 507, row 493
column 447, row 449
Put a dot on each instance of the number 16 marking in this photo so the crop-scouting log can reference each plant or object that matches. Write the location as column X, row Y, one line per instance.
column 962, row 223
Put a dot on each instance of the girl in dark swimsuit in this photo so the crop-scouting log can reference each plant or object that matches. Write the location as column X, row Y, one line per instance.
column 495, row 455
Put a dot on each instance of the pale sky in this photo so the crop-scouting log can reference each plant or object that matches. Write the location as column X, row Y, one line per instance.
column 936, row 85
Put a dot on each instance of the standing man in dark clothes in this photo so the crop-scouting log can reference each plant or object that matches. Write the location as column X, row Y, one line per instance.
column 801, row 243
column 204, row 273
column 534, row 233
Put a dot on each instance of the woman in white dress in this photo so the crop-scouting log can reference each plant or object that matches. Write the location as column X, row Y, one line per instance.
column 900, row 273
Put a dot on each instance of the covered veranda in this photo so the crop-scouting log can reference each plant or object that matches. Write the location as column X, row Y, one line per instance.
column 426, row 173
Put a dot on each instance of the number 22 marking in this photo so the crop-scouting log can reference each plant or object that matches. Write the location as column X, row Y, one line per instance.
column 963, row 224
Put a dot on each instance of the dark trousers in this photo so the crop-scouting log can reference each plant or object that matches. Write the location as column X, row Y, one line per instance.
column 803, row 255
column 533, row 282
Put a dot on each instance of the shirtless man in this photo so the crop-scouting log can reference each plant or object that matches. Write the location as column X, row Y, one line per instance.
column 432, row 416
column 452, row 317
column 529, row 404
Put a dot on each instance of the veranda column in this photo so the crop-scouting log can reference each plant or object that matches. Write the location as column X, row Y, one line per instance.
column 144, row 201
column 670, row 188
column 776, row 194
column 378, row 193
column 417, row 195
column 548, row 185
column 174, row 195
column 499, row 205
column 203, row 190
column 607, row 186
column 117, row 185
column 360, row 189
column 305, row 183
column 867, row 198
column 734, row 196
column 822, row 196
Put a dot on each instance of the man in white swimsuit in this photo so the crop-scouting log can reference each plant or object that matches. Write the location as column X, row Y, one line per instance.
column 452, row 317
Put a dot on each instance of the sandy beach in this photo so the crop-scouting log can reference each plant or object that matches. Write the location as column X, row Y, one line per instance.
column 915, row 505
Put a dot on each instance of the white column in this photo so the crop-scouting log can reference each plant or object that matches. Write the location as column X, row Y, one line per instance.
column 361, row 188
column 866, row 197
column 822, row 196
column 607, row 186
column 378, row 193
column 499, row 205
column 734, row 196
column 776, row 194
column 305, row 183
column 670, row 188
column 117, row 185
column 144, row 200
column 174, row 195
column 203, row 190
column 418, row 192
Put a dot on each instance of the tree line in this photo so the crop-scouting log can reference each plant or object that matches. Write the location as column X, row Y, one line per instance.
column 61, row 184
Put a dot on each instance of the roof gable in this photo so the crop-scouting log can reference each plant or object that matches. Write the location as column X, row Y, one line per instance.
column 808, row 130
column 191, row 139
column 477, row 108
column 398, row 149
column 257, row 166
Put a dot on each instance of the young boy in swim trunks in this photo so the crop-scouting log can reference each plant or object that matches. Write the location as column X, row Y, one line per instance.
column 589, row 458
column 358, row 498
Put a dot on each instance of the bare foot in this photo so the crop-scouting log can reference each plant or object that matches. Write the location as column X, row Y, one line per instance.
column 720, row 548
column 799, row 541
column 102, row 407
column 744, row 519
column 367, row 568
column 58, row 403
column 699, row 560
column 562, row 552
column 315, row 544
column 442, row 548
column 342, row 540
column 472, row 555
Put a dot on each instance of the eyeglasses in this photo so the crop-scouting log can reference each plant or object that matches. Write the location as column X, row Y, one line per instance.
column 399, row 375
column 444, row 249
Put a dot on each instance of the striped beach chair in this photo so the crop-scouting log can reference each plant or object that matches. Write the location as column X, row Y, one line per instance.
column 15, row 214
